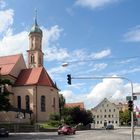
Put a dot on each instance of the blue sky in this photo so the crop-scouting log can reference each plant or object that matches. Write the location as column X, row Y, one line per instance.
column 96, row 37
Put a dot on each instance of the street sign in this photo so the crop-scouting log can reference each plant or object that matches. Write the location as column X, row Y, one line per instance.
column 134, row 97
column 128, row 98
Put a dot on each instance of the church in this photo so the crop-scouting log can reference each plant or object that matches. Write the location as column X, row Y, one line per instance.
column 33, row 94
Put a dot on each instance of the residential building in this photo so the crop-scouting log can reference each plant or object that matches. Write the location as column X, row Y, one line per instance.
column 122, row 106
column 34, row 95
column 105, row 113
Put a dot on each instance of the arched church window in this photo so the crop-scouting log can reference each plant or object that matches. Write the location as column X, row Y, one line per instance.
column 32, row 58
column 27, row 100
column 19, row 102
column 43, row 100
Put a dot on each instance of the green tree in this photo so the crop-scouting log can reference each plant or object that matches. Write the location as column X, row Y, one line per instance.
column 125, row 117
column 4, row 95
column 61, row 105
column 76, row 115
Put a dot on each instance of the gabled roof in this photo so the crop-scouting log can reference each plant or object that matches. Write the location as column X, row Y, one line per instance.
column 32, row 76
column 104, row 101
column 7, row 63
column 79, row 104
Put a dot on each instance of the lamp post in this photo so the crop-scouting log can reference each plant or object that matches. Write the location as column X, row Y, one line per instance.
column 117, row 77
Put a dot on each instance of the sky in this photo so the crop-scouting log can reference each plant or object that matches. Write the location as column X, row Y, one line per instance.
column 97, row 38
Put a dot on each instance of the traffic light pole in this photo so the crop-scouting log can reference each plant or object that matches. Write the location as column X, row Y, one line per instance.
column 117, row 77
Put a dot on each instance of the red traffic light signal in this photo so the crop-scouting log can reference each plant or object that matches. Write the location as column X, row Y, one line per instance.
column 69, row 79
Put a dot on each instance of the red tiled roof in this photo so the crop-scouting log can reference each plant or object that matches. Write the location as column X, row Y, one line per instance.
column 80, row 104
column 32, row 76
column 7, row 63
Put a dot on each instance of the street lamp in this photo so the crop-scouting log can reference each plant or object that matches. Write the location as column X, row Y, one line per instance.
column 117, row 77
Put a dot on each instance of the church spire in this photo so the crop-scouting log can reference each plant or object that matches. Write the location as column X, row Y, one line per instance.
column 35, row 54
column 35, row 28
column 36, row 17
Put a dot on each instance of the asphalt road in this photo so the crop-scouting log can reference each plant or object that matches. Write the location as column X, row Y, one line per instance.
column 119, row 134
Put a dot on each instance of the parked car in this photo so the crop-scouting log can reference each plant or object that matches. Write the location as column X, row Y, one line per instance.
column 4, row 132
column 66, row 130
column 109, row 127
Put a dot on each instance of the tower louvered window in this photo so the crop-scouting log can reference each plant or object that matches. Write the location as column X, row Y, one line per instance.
column 32, row 58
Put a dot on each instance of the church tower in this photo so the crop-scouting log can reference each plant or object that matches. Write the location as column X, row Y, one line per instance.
column 35, row 54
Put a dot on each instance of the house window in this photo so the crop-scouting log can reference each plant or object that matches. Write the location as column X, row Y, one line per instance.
column 108, row 116
column 43, row 100
column 100, row 122
column 19, row 102
column 104, row 116
column 105, row 110
column 27, row 100
column 114, row 110
column 109, row 110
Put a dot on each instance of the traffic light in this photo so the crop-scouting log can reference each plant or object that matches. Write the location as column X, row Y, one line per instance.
column 130, row 105
column 69, row 79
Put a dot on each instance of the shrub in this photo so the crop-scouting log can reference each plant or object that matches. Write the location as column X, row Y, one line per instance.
column 54, row 117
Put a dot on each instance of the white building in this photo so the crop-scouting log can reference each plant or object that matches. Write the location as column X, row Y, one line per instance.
column 105, row 113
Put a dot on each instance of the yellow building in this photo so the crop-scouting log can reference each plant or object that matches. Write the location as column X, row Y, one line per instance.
column 34, row 96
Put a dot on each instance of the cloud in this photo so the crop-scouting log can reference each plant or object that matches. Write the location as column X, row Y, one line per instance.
column 73, row 98
column 2, row 4
column 14, row 44
column 133, row 35
column 81, row 55
column 101, row 54
column 51, row 47
column 67, row 94
column 70, row 11
column 19, row 43
column 95, row 3
column 6, row 20
column 98, row 67
column 114, row 89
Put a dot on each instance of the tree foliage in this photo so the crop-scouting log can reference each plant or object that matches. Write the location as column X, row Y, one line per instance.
column 61, row 104
column 125, row 117
column 76, row 115
column 4, row 96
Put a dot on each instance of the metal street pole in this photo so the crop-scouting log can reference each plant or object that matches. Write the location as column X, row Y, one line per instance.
column 117, row 77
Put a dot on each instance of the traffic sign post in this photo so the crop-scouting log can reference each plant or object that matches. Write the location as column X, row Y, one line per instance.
column 128, row 98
